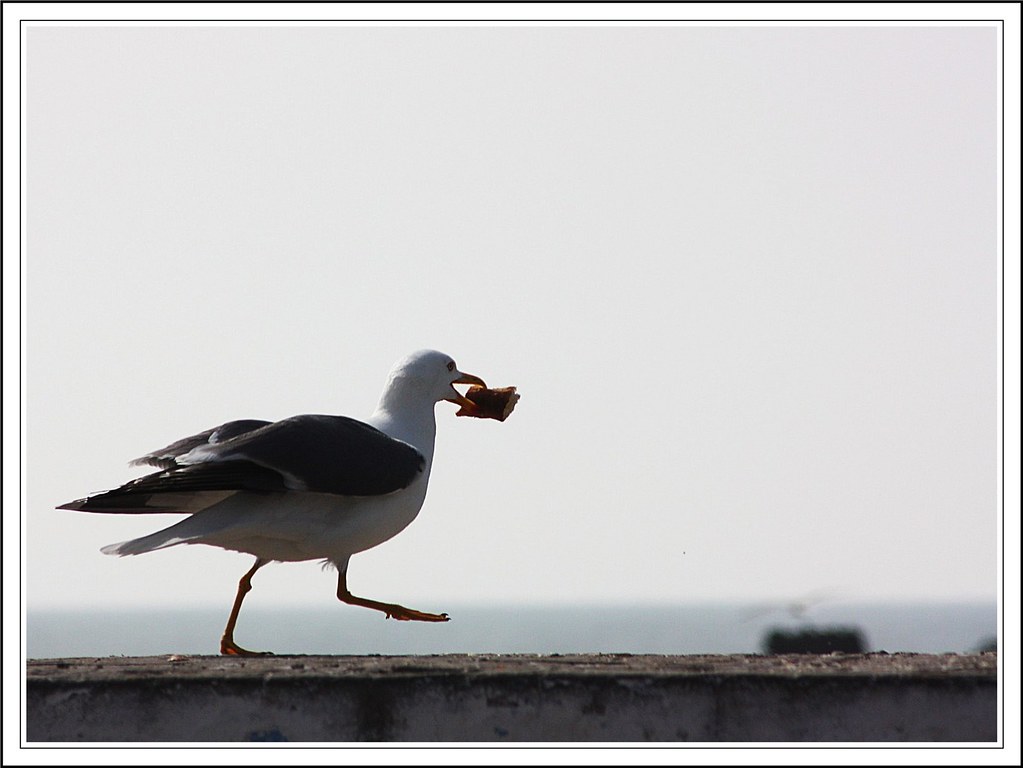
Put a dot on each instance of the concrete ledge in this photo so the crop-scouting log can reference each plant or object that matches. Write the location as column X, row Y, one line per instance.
column 497, row 698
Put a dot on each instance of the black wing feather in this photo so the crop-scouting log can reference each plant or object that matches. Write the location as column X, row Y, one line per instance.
column 133, row 497
column 329, row 454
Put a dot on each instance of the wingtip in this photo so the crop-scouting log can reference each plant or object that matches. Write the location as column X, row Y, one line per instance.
column 160, row 462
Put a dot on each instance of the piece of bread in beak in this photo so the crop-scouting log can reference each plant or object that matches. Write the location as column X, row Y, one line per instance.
column 489, row 403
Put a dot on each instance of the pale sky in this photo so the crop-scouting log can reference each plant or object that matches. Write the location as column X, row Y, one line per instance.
column 745, row 279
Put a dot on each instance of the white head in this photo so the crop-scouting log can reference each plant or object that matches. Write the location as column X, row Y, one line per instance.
column 426, row 376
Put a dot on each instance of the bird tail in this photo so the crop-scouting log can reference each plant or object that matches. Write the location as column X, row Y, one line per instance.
column 168, row 537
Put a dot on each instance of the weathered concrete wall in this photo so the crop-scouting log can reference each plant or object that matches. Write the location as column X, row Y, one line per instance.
column 494, row 698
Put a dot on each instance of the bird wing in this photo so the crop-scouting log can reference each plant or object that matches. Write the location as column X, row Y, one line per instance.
column 322, row 454
column 167, row 457
column 318, row 454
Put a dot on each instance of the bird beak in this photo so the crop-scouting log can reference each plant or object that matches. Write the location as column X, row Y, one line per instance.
column 460, row 399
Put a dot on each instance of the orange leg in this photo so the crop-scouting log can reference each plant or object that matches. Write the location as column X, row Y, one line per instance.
column 393, row 611
column 227, row 644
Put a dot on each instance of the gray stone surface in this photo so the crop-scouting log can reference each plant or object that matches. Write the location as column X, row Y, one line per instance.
column 504, row 698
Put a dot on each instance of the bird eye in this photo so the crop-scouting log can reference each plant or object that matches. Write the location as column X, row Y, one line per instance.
column 451, row 365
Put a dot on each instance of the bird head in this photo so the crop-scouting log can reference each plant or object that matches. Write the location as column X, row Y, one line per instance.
column 431, row 375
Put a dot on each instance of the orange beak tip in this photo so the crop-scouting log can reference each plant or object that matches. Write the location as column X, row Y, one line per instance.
column 463, row 401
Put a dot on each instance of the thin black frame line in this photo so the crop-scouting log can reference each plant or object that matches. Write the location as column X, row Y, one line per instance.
column 21, row 245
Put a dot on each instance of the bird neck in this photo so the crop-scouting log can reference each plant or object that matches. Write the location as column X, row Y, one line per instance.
column 409, row 419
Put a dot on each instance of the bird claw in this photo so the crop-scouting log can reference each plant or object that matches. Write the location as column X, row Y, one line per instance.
column 407, row 614
column 229, row 648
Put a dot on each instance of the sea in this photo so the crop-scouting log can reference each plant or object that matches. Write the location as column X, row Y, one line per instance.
column 702, row 628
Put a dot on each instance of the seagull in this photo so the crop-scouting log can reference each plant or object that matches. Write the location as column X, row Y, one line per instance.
column 309, row 487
